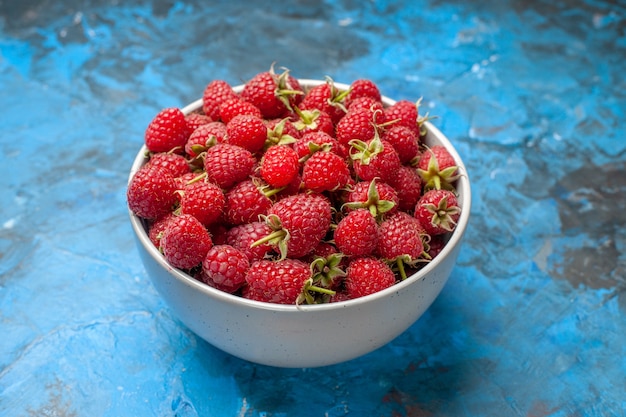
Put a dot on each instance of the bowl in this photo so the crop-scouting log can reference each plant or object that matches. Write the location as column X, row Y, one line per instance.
column 307, row 335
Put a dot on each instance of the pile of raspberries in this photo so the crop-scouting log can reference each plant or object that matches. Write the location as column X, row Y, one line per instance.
column 291, row 195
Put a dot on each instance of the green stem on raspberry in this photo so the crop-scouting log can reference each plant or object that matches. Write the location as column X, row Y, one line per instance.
column 197, row 178
column 321, row 290
column 273, row 237
column 278, row 237
column 400, row 264
column 272, row 191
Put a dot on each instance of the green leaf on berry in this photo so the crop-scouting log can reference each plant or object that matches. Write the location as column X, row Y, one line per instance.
column 374, row 204
column 435, row 179
column 279, row 236
column 443, row 215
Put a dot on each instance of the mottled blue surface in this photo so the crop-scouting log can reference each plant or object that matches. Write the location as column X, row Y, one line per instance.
column 533, row 319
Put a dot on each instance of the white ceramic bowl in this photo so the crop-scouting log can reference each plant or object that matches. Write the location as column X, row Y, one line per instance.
column 308, row 335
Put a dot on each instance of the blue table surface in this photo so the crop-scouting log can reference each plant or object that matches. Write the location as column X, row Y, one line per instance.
column 533, row 319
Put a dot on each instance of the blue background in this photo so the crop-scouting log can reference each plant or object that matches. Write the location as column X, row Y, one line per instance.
column 533, row 319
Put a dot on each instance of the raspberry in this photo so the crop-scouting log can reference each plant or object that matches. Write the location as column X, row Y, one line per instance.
column 281, row 132
column 437, row 168
column 356, row 234
column 203, row 200
column 376, row 159
column 368, row 275
column 235, row 107
column 195, row 120
column 245, row 202
column 225, row 268
column 174, row 163
column 279, row 165
column 227, row 164
column 356, row 125
column 404, row 140
column 325, row 171
column 327, row 98
column 168, row 131
column 156, row 229
column 404, row 113
column 400, row 240
column 243, row 236
column 438, row 211
column 370, row 104
column 377, row 197
column 363, row 88
column 215, row 93
column 151, row 192
column 185, row 242
column 247, row 131
column 314, row 141
column 408, row 187
column 300, row 222
column 204, row 137
column 273, row 94
column 314, row 121
column 279, row 282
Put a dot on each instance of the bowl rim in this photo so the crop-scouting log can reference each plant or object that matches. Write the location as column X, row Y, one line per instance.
column 138, row 225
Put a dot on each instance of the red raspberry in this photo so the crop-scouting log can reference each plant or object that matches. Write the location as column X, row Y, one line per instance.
column 405, row 113
column 376, row 159
column 356, row 233
column 404, row 141
column 151, row 192
column 279, row 282
column 185, row 242
column 279, row 165
column 368, row 275
column 245, row 202
column 356, row 125
column 408, row 186
column 300, row 222
column 225, row 268
column 235, row 107
column 157, row 228
column 435, row 245
column 363, row 88
column 194, row 120
column 215, row 93
column 438, row 211
column 370, row 104
column 281, row 132
column 167, row 132
column 227, row 164
column 323, row 250
column 314, row 121
column 250, row 294
column 314, row 141
column 203, row 200
column 293, row 188
column 247, row 131
column 273, row 94
column 327, row 98
column 339, row 296
column 325, row 171
column 186, row 179
column 174, row 163
column 243, row 236
column 400, row 239
column 204, row 137
column 437, row 168
column 327, row 266
column 377, row 197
